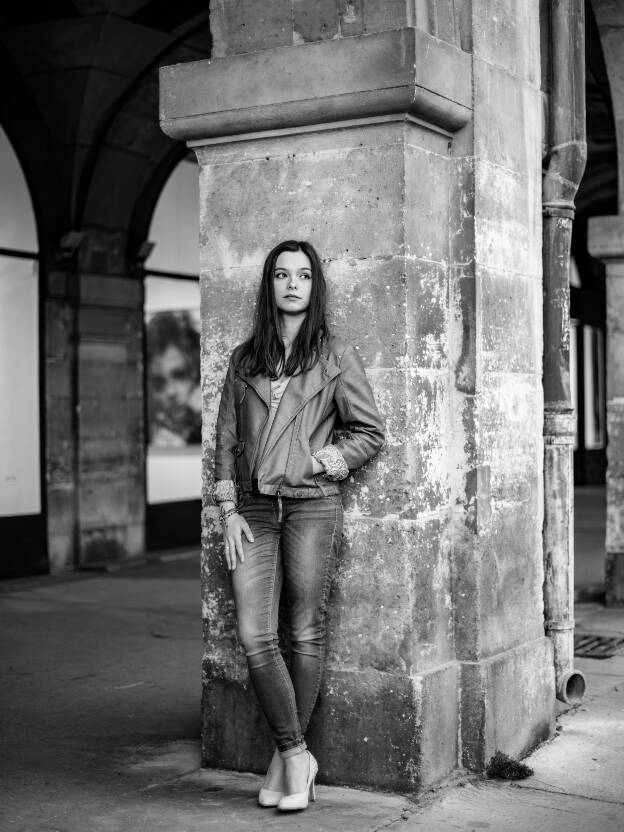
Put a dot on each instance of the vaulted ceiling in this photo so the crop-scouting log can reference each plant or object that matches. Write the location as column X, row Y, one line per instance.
column 80, row 101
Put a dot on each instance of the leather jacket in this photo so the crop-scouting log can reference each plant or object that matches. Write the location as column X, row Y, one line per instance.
column 331, row 404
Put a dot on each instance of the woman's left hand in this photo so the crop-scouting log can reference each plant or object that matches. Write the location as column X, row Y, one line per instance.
column 317, row 467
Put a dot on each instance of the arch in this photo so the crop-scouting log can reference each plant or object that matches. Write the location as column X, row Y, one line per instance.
column 22, row 122
column 116, row 159
column 609, row 22
column 18, row 226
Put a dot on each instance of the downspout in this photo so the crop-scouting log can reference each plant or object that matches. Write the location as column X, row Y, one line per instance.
column 565, row 163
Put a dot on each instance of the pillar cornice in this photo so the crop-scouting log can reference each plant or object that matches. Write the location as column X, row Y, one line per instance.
column 404, row 71
column 605, row 237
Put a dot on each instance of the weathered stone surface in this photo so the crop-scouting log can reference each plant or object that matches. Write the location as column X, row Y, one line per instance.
column 510, row 596
column 400, row 71
column 426, row 204
column 248, row 26
column 510, row 414
column 505, row 99
column 496, row 38
column 615, row 328
column 314, row 192
column 508, row 220
column 518, row 683
column 396, row 574
column 510, row 320
column 432, row 250
column 388, row 730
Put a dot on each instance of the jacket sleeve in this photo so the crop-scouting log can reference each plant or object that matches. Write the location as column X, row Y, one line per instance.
column 227, row 432
column 364, row 426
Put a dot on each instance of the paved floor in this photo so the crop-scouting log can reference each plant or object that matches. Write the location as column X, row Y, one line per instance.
column 101, row 720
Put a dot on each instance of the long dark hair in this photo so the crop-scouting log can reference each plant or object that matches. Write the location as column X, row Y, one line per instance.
column 264, row 351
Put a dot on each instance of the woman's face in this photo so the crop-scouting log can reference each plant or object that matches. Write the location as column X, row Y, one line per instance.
column 292, row 282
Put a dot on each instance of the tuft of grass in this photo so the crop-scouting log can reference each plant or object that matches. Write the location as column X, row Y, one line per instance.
column 506, row 768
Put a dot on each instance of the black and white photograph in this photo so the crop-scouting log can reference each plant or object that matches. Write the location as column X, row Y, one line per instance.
column 312, row 415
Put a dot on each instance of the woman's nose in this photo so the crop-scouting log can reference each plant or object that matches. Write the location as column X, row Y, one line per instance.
column 292, row 282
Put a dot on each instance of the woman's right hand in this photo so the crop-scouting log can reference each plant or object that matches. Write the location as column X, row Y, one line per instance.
column 233, row 530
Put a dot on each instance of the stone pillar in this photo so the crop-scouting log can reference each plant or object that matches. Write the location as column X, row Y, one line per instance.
column 606, row 242
column 369, row 146
column 95, row 410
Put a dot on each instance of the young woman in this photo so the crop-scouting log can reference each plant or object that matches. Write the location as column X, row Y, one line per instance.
column 279, row 460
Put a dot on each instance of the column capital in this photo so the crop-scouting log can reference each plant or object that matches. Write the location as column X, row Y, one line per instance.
column 605, row 237
column 401, row 72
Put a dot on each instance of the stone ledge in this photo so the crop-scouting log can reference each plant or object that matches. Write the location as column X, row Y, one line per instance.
column 405, row 71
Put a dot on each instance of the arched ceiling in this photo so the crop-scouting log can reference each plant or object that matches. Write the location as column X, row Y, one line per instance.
column 89, row 71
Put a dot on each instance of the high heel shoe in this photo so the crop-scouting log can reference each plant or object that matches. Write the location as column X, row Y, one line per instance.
column 269, row 798
column 299, row 800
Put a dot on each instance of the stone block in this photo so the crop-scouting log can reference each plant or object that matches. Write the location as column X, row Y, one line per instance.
column 461, row 217
column 394, row 310
column 314, row 21
column 105, row 366
column 248, row 26
column 347, row 201
column 506, row 33
column 508, row 119
column 368, row 729
column 426, row 204
column 511, row 420
column 508, row 220
column 397, row 574
column 615, row 330
column 385, row 730
column 507, row 703
column 351, row 17
column 380, row 15
column 410, row 474
column 112, row 497
column 509, row 600
column 510, row 323
column 108, row 290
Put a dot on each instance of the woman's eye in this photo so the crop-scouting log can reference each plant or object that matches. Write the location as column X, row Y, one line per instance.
column 306, row 275
column 280, row 275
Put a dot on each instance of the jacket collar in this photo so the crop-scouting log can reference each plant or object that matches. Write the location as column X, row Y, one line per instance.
column 299, row 390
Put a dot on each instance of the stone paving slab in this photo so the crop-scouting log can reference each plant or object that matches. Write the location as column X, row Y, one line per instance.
column 506, row 808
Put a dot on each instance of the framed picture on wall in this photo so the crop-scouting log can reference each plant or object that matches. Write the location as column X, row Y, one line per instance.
column 173, row 379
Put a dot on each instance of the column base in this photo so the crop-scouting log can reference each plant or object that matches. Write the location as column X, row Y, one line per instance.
column 368, row 729
column 508, row 703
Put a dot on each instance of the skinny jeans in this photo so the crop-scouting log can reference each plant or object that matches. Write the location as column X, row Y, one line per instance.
column 296, row 542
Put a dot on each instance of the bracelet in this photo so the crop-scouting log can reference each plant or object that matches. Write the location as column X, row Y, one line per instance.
column 223, row 516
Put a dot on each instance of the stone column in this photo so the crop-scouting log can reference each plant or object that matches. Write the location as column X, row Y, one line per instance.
column 369, row 146
column 94, row 389
column 606, row 242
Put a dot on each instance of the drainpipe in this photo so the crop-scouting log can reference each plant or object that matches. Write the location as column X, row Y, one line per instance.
column 565, row 163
